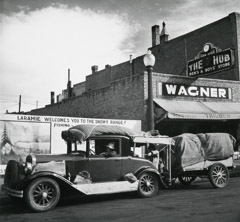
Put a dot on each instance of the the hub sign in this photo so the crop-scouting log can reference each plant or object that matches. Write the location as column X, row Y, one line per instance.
column 211, row 63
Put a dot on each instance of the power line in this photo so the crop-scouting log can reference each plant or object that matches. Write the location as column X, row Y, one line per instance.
column 9, row 106
column 26, row 101
column 7, row 101
column 28, row 97
column 29, row 103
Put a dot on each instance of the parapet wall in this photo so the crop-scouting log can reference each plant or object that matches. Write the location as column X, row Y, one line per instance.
column 123, row 99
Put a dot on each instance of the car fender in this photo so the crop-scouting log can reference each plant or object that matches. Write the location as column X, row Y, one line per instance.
column 145, row 169
column 60, row 179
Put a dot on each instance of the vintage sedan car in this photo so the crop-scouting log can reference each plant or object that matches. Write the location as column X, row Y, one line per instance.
column 86, row 168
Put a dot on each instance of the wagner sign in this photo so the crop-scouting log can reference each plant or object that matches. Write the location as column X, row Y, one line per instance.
column 209, row 61
column 169, row 89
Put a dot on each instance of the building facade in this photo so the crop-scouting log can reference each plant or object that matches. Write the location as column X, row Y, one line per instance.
column 196, row 85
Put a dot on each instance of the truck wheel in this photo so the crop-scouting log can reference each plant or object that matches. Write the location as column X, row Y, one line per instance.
column 42, row 194
column 218, row 175
column 148, row 185
column 185, row 180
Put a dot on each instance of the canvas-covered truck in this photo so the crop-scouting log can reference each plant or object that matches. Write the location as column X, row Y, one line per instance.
column 88, row 167
column 208, row 155
column 203, row 155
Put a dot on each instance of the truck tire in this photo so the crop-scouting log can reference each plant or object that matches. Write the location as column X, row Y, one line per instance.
column 219, row 175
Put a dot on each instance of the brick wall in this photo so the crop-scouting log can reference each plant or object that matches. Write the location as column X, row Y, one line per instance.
column 124, row 99
column 103, row 78
column 98, row 80
column 121, row 71
column 79, row 89
column 237, row 41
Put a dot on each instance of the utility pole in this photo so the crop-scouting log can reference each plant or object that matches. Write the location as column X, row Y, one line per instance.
column 37, row 104
column 19, row 104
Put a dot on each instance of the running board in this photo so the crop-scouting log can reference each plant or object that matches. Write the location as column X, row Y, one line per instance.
column 107, row 187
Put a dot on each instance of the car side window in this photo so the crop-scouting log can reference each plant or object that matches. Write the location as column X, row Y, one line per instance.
column 139, row 150
column 100, row 147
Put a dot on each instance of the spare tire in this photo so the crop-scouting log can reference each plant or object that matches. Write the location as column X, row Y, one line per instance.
column 11, row 174
column 186, row 180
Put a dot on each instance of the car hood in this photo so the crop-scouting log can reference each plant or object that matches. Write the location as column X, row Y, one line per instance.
column 40, row 158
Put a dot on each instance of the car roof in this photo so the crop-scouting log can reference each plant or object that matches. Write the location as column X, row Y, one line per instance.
column 82, row 132
column 109, row 137
column 154, row 139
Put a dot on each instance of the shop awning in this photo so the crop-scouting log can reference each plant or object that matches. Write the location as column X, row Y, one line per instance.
column 179, row 109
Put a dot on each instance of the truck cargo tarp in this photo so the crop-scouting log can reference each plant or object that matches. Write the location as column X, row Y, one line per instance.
column 82, row 132
column 190, row 149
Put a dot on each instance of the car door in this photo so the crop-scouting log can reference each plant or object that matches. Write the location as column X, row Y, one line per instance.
column 103, row 168
column 127, row 159
column 77, row 162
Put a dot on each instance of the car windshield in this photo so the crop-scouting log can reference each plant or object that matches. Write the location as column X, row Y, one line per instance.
column 76, row 147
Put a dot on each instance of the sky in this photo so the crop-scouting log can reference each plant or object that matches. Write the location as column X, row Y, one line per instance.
column 41, row 40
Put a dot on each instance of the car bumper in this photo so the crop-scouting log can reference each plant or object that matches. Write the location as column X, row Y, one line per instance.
column 12, row 192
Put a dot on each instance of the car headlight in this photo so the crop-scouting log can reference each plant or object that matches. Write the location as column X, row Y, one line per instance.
column 28, row 168
column 30, row 163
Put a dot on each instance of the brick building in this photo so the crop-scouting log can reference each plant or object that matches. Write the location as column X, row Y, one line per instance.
column 196, row 85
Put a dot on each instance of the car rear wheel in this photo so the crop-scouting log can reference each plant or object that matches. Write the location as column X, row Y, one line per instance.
column 218, row 175
column 42, row 194
column 148, row 185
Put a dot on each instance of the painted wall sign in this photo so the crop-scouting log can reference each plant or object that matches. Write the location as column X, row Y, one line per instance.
column 210, row 60
column 169, row 89
column 24, row 134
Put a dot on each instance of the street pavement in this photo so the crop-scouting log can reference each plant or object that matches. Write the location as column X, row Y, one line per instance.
column 198, row 202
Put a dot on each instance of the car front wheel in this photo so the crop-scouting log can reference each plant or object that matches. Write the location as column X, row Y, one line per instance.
column 148, row 185
column 42, row 194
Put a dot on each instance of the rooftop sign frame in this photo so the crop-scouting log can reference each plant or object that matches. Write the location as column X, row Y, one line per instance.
column 210, row 60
